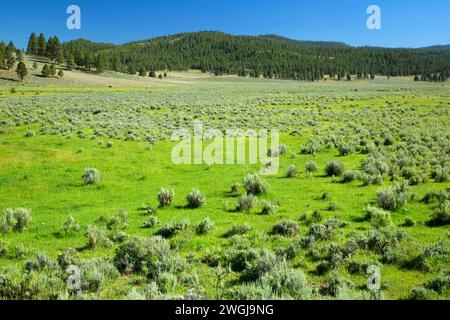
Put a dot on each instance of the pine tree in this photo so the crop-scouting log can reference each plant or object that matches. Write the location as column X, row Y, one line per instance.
column 2, row 54
column 100, row 64
column 11, row 48
column 33, row 44
column 19, row 56
column 46, row 71
column 89, row 62
column 131, row 69
column 116, row 65
column 60, row 73
column 42, row 45
column 54, row 50
column 152, row 74
column 70, row 62
column 52, row 70
column 21, row 71
column 142, row 72
column 10, row 59
column 349, row 76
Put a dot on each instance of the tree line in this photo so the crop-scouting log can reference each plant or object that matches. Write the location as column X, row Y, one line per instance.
column 267, row 56
column 247, row 56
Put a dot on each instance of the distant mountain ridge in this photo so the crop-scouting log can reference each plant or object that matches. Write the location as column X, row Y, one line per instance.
column 271, row 56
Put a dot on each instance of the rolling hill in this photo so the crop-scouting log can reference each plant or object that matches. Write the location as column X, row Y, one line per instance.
column 270, row 56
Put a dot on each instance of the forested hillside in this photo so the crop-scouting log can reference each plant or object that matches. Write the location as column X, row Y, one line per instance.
column 270, row 56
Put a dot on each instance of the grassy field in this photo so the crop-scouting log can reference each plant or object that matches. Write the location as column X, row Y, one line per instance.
column 49, row 135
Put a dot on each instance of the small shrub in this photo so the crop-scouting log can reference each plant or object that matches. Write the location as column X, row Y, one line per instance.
column 287, row 282
column 345, row 149
column 393, row 198
column 440, row 284
column 39, row 263
column 95, row 273
column 433, row 253
column 368, row 179
column 91, row 176
column 310, row 167
column 195, row 199
column 263, row 262
column 29, row 134
column 316, row 216
column 70, row 226
column 441, row 217
column 290, row 252
column 246, row 203
column 349, row 176
column 235, row 188
column 118, row 221
column 67, row 257
column 332, row 206
column 165, row 197
column 252, row 291
column 292, row 172
column 153, row 221
column 137, row 254
column 97, row 237
column 440, row 174
column 312, row 147
column 325, row 196
column 254, row 185
column 336, row 285
column 431, row 197
column 420, row 294
column 3, row 249
column 325, row 231
column 286, row 229
column 277, row 152
column 16, row 220
column 237, row 230
column 268, row 208
column 334, row 168
column 377, row 217
column 204, row 227
column 171, row 229
column 166, row 282
column 409, row 223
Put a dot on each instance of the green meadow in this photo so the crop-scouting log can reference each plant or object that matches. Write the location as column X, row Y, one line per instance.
column 385, row 133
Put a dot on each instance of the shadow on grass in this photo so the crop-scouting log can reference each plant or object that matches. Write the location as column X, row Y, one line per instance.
column 229, row 194
column 9, row 79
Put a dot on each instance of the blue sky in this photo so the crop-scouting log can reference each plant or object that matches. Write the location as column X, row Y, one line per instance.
column 405, row 23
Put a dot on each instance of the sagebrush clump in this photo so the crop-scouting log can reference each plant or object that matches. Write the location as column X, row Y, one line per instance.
column 286, row 228
column 195, row 199
column 254, row 185
column 165, row 197
column 246, row 202
column 334, row 169
column 91, row 176
column 16, row 219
